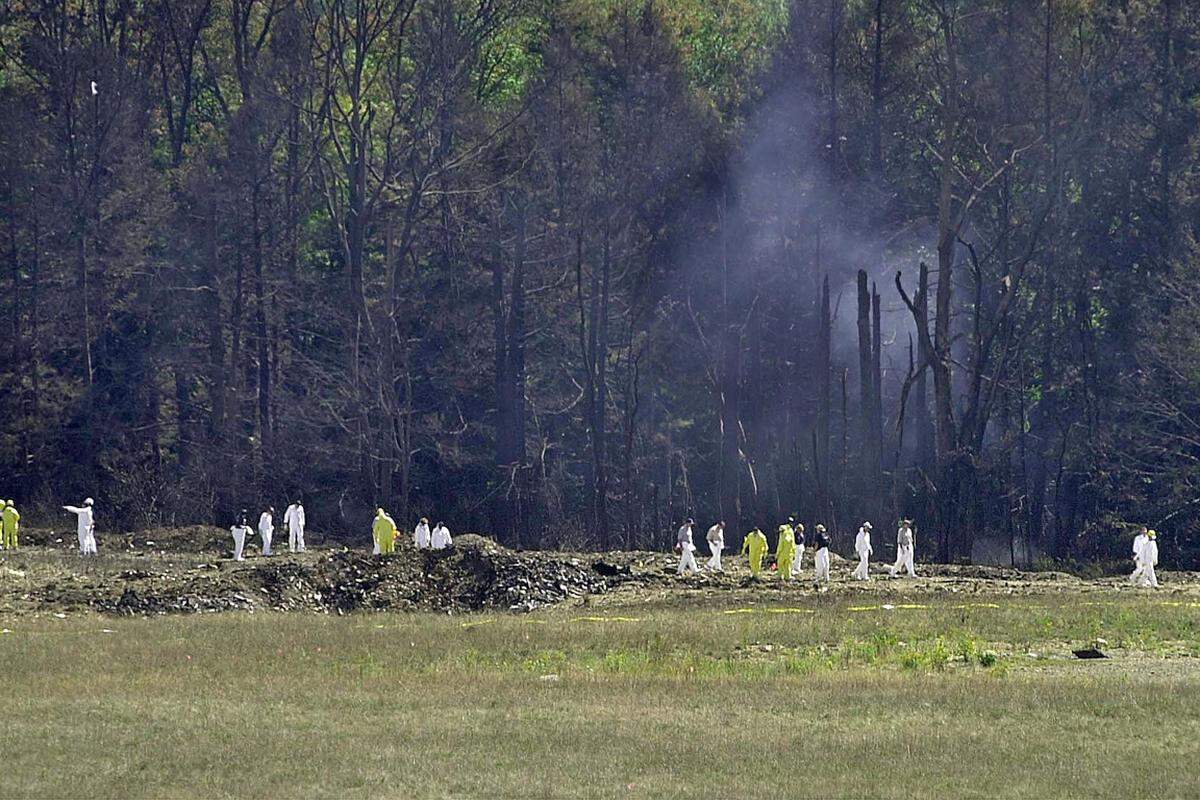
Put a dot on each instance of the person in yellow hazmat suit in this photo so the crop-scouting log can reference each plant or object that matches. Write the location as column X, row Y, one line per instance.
column 383, row 530
column 10, row 521
column 785, row 551
column 756, row 545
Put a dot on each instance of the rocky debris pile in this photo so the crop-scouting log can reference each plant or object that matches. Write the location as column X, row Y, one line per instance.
column 475, row 574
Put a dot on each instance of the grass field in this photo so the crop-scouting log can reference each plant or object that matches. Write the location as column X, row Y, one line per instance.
column 950, row 698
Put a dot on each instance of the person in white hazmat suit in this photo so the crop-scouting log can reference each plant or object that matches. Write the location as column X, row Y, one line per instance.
column 85, row 526
column 240, row 531
column 905, row 545
column 440, row 538
column 821, row 559
column 1139, row 542
column 799, row 529
column 862, row 546
column 1149, row 560
column 266, row 529
column 293, row 518
column 422, row 538
column 716, row 543
column 686, row 548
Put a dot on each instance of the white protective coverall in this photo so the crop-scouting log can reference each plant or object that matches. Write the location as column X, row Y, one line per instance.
column 240, row 532
column 799, row 550
column 1147, row 561
column 821, row 565
column 862, row 546
column 440, row 538
column 294, row 519
column 905, row 545
column 85, row 527
column 1139, row 542
column 687, row 550
column 422, row 537
column 266, row 529
column 716, row 543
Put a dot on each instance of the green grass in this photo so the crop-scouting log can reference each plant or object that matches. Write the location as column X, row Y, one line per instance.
column 657, row 701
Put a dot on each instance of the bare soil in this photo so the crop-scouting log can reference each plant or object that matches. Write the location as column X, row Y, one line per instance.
column 190, row 570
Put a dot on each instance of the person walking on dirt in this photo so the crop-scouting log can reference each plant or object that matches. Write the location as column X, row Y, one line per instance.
column 266, row 529
column 862, row 546
column 905, row 545
column 383, row 531
column 686, row 549
column 10, row 521
column 294, row 519
column 785, row 551
column 756, row 545
column 821, row 561
column 440, row 538
column 1149, row 560
column 240, row 531
column 421, row 535
column 799, row 537
column 85, row 526
column 1139, row 542
column 716, row 543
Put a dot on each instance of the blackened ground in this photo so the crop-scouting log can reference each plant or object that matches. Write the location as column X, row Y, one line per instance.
column 189, row 570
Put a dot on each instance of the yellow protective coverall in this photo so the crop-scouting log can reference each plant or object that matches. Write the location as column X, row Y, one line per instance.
column 384, row 531
column 756, row 544
column 785, row 552
column 10, row 521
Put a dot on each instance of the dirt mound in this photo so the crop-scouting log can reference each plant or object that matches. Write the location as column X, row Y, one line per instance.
column 474, row 574
column 188, row 570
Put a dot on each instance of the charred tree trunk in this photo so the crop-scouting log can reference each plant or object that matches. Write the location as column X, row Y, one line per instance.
column 924, row 424
column 730, row 395
column 876, row 387
column 877, row 92
column 600, row 304
column 866, row 389
column 516, row 372
column 502, row 518
column 824, row 374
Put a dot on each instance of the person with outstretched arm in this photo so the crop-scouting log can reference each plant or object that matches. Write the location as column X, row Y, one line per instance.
column 85, row 526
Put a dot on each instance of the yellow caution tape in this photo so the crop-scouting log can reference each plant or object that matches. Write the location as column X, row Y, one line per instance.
column 606, row 619
column 478, row 622
column 768, row 611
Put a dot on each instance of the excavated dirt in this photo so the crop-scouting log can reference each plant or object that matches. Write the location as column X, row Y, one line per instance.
column 189, row 570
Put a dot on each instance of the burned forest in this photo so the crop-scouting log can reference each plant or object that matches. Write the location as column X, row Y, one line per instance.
column 570, row 272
